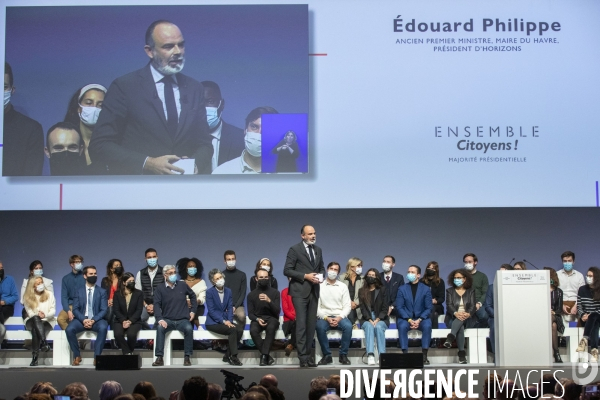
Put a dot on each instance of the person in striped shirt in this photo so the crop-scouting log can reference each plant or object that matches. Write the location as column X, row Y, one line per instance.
column 588, row 311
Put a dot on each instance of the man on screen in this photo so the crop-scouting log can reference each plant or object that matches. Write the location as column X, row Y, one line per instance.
column 65, row 150
column 23, row 137
column 155, row 116
column 227, row 140
column 250, row 161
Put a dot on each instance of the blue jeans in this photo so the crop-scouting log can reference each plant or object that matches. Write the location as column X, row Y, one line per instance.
column 182, row 325
column 492, row 334
column 482, row 318
column 75, row 326
column 373, row 333
column 404, row 327
column 323, row 326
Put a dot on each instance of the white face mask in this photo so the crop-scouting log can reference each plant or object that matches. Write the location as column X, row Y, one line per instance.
column 220, row 282
column 89, row 115
column 212, row 116
column 358, row 270
column 386, row 267
column 253, row 142
column 469, row 266
column 40, row 287
column 231, row 264
column 265, row 267
column 589, row 280
column 332, row 275
column 78, row 267
column 7, row 94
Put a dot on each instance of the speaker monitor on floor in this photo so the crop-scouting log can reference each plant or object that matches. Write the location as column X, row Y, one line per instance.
column 115, row 362
column 400, row 360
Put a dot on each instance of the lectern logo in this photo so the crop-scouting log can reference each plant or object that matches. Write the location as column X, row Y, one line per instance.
column 585, row 372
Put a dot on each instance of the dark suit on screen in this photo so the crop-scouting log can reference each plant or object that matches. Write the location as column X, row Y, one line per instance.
column 231, row 144
column 132, row 125
column 305, row 294
column 23, row 145
column 99, row 307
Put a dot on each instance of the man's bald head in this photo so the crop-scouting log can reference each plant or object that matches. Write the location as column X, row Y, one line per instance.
column 269, row 380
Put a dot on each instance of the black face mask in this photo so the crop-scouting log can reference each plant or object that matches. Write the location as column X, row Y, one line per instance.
column 430, row 272
column 66, row 163
column 370, row 280
column 130, row 285
column 91, row 279
column 118, row 270
column 263, row 283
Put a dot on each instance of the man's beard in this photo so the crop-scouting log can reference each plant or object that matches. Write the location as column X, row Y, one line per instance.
column 167, row 69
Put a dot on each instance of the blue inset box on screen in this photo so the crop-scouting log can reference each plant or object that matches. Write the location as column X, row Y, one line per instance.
column 284, row 143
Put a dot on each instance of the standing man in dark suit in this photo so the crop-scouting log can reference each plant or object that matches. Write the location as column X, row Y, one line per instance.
column 391, row 280
column 304, row 264
column 227, row 140
column 89, row 308
column 23, row 143
column 153, row 117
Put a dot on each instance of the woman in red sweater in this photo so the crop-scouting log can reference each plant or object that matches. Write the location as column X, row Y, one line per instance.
column 289, row 320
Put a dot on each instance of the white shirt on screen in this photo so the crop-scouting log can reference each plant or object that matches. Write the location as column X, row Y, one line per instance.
column 235, row 166
column 216, row 141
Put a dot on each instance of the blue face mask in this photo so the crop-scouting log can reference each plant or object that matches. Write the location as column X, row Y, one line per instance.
column 212, row 116
column 38, row 272
column 192, row 271
column 411, row 277
column 173, row 278
column 458, row 282
column 152, row 262
column 568, row 266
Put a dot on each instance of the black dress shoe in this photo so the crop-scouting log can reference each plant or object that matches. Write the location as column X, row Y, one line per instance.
column 233, row 360
column 270, row 360
column 303, row 364
column 159, row 362
column 186, row 361
column 326, row 360
column 344, row 359
column 263, row 360
column 34, row 359
column 226, row 358
column 311, row 363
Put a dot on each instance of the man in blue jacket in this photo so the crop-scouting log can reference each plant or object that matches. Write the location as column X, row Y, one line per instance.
column 8, row 298
column 413, row 306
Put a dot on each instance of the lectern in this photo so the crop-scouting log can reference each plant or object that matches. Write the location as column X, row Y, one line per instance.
column 522, row 318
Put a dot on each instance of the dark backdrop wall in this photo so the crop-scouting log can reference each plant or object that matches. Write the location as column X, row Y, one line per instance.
column 413, row 236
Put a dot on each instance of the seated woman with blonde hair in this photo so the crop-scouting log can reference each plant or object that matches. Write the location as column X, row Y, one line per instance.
column 40, row 307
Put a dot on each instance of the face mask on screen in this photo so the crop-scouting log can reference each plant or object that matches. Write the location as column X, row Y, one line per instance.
column 253, row 143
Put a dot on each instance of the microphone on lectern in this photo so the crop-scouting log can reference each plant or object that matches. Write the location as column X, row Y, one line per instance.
column 510, row 262
column 530, row 264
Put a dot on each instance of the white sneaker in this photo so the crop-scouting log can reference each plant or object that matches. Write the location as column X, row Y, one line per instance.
column 583, row 344
column 594, row 355
column 371, row 360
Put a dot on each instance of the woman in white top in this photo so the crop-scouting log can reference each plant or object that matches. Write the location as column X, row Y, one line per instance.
column 190, row 270
column 40, row 307
column 35, row 269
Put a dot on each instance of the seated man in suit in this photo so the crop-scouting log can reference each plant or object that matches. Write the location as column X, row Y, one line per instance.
column 89, row 308
column 153, row 117
column 413, row 305
column 391, row 280
column 263, row 311
column 171, row 311
column 332, row 314
column 227, row 140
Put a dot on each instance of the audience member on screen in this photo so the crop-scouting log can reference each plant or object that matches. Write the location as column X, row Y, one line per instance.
column 304, row 264
column 460, row 308
column 70, row 284
column 480, row 285
column 250, row 161
column 374, row 307
column 289, row 319
column 489, row 307
column 570, row 282
column 267, row 265
column 23, row 138
column 556, row 309
column 64, row 150
column 190, row 270
column 219, row 315
column 89, row 309
column 413, row 305
column 147, row 280
column 128, row 303
column 332, row 314
column 438, row 291
column 354, row 280
column 110, row 283
column 172, row 312
column 391, row 280
column 227, row 140
column 235, row 280
column 133, row 138
column 83, row 111
column 40, row 311
column 36, row 268
column 588, row 311
column 263, row 310
column 287, row 153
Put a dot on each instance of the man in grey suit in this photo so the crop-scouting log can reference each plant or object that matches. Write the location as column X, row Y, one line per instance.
column 304, row 265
